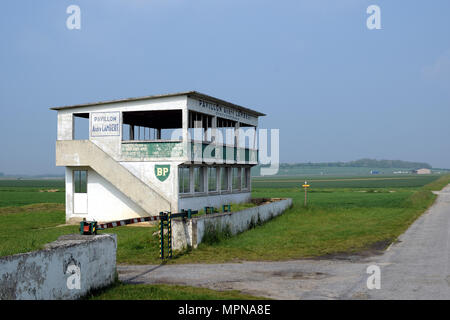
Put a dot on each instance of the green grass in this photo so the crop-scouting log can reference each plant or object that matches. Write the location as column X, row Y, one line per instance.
column 121, row 291
column 28, row 228
column 343, row 219
column 20, row 196
column 332, row 223
column 376, row 181
column 335, row 220
column 32, row 183
column 349, row 217
column 439, row 183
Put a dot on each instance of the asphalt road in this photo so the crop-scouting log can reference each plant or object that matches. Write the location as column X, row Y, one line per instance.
column 416, row 267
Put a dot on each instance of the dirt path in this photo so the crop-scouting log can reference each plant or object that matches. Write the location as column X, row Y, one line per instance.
column 417, row 267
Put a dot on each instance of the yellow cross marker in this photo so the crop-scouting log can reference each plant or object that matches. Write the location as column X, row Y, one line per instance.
column 306, row 186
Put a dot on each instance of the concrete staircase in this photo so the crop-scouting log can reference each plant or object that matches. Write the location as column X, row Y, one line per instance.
column 86, row 153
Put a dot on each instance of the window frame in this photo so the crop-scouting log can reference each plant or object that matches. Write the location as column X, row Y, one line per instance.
column 201, row 179
column 237, row 176
column 226, row 180
column 212, row 169
column 244, row 178
column 181, row 180
column 78, row 179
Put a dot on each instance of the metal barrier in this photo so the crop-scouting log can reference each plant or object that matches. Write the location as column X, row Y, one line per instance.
column 164, row 218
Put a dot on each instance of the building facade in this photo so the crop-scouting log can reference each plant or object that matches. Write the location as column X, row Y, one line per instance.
column 140, row 156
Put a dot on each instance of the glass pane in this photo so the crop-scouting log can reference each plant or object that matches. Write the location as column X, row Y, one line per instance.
column 80, row 181
column 212, row 179
column 186, row 180
column 198, row 179
column 183, row 180
column 244, row 178
column 180, row 180
column 224, row 179
column 236, row 179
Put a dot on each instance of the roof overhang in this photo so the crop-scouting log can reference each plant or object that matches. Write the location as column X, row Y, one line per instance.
column 190, row 94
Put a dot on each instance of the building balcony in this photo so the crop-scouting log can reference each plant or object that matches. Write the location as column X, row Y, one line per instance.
column 193, row 151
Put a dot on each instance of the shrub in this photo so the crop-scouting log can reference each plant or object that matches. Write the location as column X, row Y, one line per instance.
column 215, row 233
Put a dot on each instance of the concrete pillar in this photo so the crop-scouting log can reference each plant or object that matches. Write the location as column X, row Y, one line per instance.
column 236, row 139
column 65, row 129
column 230, row 178
column 131, row 132
column 214, row 128
column 185, row 134
column 205, row 179
column 218, row 186
column 69, row 193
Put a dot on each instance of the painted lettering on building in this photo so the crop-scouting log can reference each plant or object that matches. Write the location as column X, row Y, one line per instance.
column 223, row 111
column 105, row 124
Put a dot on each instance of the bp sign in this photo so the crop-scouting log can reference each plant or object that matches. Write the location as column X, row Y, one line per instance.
column 162, row 171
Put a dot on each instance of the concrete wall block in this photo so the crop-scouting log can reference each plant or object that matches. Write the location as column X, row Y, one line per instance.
column 191, row 232
column 66, row 269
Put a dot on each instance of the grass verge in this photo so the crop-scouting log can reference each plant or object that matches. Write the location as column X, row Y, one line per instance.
column 121, row 291
column 29, row 228
column 335, row 220
column 438, row 184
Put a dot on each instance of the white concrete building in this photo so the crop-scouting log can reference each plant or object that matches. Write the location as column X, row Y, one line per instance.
column 141, row 156
column 423, row 171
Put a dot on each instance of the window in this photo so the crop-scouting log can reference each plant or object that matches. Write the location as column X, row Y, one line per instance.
column 184, row 181
column 224, row 179
column 212, row 179
column 200, row 126
column 80, row 181
column 154, row 125
column 236, row 179
column 244, row 177
column 198, row 179
column 226, row 130
column 81, row 126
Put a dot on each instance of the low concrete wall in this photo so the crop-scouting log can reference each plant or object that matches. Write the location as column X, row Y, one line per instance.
column 199, row 202
column 190, row 232
column 66, row 269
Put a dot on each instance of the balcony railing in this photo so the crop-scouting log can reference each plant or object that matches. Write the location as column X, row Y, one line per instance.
column 193, row 151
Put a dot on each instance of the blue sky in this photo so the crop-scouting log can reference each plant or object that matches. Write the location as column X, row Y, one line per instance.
column 336, row 90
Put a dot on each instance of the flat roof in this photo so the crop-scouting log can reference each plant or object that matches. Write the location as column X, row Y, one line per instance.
column 191, row 94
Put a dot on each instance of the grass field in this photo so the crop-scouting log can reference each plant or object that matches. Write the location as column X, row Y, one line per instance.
column 23, row 192
column 378, row 181
column 28, row 228
column 122, row 291
column 343, row 215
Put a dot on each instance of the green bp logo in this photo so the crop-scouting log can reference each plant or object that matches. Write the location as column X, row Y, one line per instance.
column 162, row 171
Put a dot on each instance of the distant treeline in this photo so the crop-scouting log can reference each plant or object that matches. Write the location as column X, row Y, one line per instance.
column 37, row 176
column 369, row 163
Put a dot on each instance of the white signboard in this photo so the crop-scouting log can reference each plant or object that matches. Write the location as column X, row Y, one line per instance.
column 104, row 124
